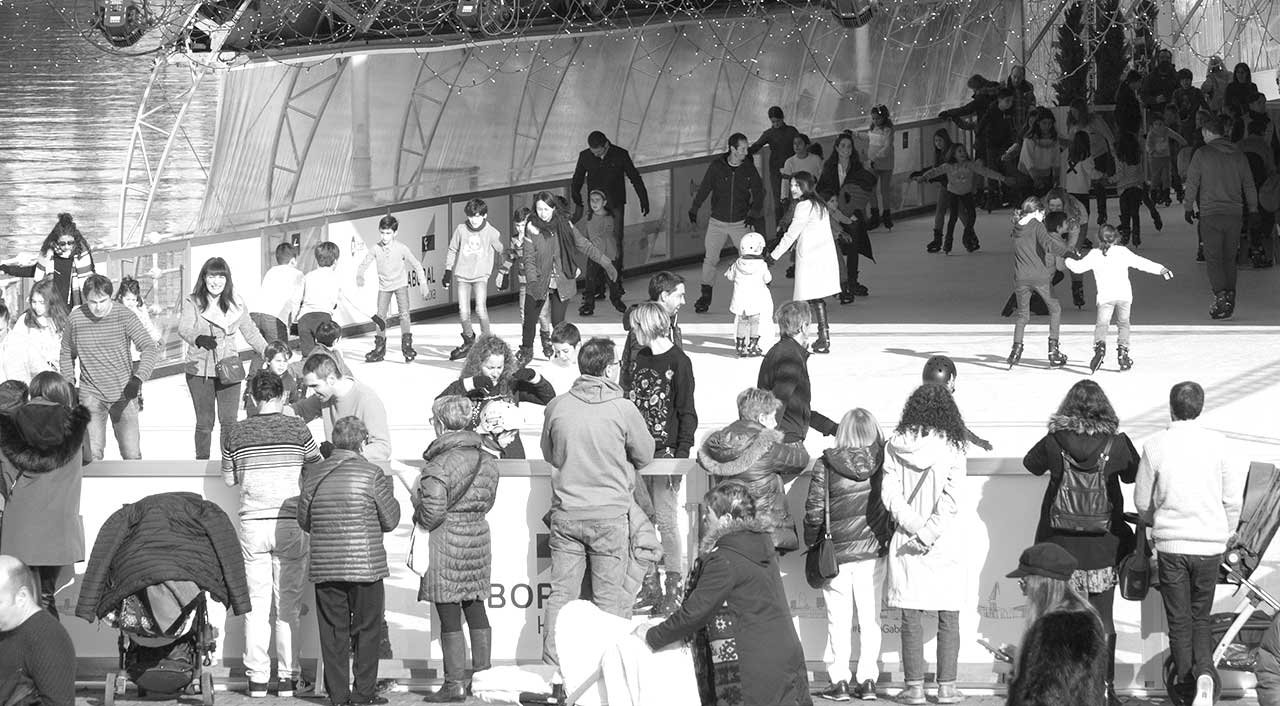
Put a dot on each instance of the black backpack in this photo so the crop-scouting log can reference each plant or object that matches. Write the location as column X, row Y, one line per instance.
column 1081, row 504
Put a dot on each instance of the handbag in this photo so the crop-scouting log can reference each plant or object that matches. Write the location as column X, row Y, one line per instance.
column 229, row 370
column 418, row 558
column 1134, row 571
column 820, row 564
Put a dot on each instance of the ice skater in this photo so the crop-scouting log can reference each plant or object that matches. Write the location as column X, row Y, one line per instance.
column 817, row 267
column 1110, row 264
column 394, row 261
column 472, row 249
column 751, row 298
column 1031, row 241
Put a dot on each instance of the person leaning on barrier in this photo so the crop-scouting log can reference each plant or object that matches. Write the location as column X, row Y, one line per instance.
column 941, row 370
column 37, row 657
column 784, row 371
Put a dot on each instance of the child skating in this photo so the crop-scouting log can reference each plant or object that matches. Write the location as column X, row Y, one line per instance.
column 960, row 183
column 1031, row 242
column 751, row 298
column 598, row 226
column 469, row 263
column 394, row 261
column 1110, row 264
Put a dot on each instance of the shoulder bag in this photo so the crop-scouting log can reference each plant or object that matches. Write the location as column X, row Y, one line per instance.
column 820, row 565
column 229, row 370
column 418, row 558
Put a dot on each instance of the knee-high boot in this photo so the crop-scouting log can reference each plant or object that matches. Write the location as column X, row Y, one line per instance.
column 454, row 648
column 1112, row 698
column 823, row 344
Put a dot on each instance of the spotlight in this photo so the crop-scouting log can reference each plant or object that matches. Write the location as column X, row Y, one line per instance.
column 488, row 16
column 123, row 22
column 852, row 13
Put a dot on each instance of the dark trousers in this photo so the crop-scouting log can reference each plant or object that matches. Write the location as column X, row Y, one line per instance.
column 1187, row 584
column 1099, row 192
column 206, row 393
column 597, row 282
column 962, row 208
column 47, row 576
column 1261, row 233
column 1130, row 210
column 619, row 226
column 451, row 615
column 1220, row 234
column 532, row 307
column 307, row 325
column 349, row 615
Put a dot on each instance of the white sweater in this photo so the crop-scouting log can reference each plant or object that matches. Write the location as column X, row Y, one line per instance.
column 1111, row 271
column 1190, row 489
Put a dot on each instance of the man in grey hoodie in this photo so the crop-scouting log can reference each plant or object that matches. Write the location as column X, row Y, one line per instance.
column 1220, row 183
column 595, row 440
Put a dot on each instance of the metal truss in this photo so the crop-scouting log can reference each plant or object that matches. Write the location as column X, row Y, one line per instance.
column 541, row 86
column 308, row 96
column 822, row 32
column 732, row 73
column 650, row 56
column 432, row 90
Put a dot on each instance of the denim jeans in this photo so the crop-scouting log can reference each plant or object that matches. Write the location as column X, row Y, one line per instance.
column 913, row 645
column 665, row 491
column 272, row 329
column 1121, row 308
column 1022, row 292
column 275, row 567
column 307, row 325
column 206, row 392
column 124, row 421
column 713, row 242
column 402, row 307
column 1187, row 584
column 602, row 546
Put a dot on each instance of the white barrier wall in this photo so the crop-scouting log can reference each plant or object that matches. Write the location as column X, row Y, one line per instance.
column 1000, row 505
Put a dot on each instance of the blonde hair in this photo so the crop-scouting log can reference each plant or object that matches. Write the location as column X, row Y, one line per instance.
column 453, row 412
column 650, row 321
column 858, row 428
column 753, row 402
column 793, row 317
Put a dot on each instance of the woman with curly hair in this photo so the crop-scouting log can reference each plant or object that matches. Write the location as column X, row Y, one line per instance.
column 34, row 344
column 924, row 464
column 1085, row 428
column 496, row 384
column 65, row 256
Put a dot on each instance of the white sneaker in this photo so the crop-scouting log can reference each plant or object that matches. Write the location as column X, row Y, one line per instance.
column 1204, row 691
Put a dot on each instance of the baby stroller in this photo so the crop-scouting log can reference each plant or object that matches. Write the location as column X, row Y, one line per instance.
column 1237, row 634
column 160, row 658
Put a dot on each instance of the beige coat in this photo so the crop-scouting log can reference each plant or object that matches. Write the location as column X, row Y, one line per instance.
column 222, row 326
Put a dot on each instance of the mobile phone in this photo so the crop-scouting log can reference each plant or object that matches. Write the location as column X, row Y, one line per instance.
column 996, row 652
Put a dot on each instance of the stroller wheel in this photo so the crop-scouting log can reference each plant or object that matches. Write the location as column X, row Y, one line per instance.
column 109, row 690
column 206, row 687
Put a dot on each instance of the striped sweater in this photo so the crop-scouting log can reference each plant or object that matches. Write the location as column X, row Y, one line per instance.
column 102, row 345
column 264, row 456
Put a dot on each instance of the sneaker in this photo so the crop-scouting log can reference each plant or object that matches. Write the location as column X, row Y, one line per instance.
column 288, row 688
column 866, row 691
column 257, row 690
column 913, row 695
column 1204, row 691
column 949, row 694
column 838, row 691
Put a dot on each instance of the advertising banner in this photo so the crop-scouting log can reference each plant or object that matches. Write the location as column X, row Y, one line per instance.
column 424, row 230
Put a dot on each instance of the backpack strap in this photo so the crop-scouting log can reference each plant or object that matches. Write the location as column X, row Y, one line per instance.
column 1100, row 459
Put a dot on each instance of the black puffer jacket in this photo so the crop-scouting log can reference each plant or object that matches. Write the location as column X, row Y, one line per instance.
column 748, row 452
column 347, row 503
column 860, row 525
column 164, row 537
column 784, row 371
column 456, row 489
column 1083, row 440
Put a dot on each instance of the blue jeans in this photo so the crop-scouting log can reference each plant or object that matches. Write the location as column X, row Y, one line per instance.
column 665, row 492
column 913, row 645
column 124, row 421
column 402, row 306
column 206, row 393
column 1187, row 583
column 603, row 546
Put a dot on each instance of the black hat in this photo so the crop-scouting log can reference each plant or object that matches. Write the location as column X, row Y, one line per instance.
column 42, row 426
column 1045, row 559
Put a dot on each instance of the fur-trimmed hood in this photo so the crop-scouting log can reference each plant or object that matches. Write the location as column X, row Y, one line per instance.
column 736, row 448
column 1081, row 425
column 737, row 535
column 30, row 459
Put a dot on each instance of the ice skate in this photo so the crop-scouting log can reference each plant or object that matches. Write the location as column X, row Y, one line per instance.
column 1099, row 352
column 468, row 340
column 544, row 337
column 379, row 351
column 1220, row 309
column 740, row 345
column 753, row 347
column 1122, row 357
column 946, row 244
column 970, row 240
column 524, row 356
column 618, row 305
column 1056, row 358
column 823, row 344
column 934, row 245
column 887, row 220
column 846, row 293
column 588, row 307
column 704, row 300
column 873, row 221
column 406, row 347
column 1015, row 355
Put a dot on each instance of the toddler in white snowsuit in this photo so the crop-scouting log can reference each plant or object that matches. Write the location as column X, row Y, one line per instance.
column 751, row 297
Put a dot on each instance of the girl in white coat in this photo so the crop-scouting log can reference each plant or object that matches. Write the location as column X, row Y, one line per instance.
column 924, row 465
column 751, row 297
column 817, row 265
column 34, row 344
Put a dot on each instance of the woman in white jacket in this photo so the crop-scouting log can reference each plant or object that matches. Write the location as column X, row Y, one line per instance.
column 1110, row 264
column 34, row 344
column 924, row 464
column 817, row 265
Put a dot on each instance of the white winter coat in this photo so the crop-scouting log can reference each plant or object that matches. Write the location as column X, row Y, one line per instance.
column 817, row 264
column 1111, row 271
column 29, row 351
column 751, row 296
column 933, row 580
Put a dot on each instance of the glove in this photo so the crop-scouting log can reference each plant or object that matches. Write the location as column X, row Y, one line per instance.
column 610, row 271
column 132, row 388
column 693, row 217
column 502, row 280
column 4, row 269
column 750, row 224
column 481, row 386
column 209, row 343
column 524, row 375
column 1189, row 217
column 768, row 259
column 326, row 448
column 446, row 280
column 644, row 210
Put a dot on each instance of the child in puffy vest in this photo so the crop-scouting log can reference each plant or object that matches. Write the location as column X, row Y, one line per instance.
column 751, row 298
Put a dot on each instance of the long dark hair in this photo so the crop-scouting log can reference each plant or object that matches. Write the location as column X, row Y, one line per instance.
column 54, row 303
column 1033, row 124
column 931, row 409
column 214, row 266
column 1128, row 150
column 809, row 190
column 943, row 154
column 854, row 162
column 485, row 347
column 1086, row 400
column 66, row 226
column 53, row 387
column 1081, row 148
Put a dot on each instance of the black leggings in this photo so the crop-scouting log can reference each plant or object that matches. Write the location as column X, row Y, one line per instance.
column 1102, row 602
column 531, row 309
column 451, row 615
column 47, row 577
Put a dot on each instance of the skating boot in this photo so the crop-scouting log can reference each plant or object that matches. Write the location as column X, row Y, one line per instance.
column 1124, row 235
column 1077, row 293
column 468, row 340
column 873, row 221
column 704, row 300
column 740, row 345
column 1231, row 302
column 1156, row 220
column 588, row 307
column 823, row 344
column 379, row 351
column 650, row 596
column 1099, row 352
column 524, row 356
column 406, row 347
column 618, row 305
column 1015, row 355
column 753, row 347
column 934, row 245
column 971, row 240
column 859, row 290
column 888, row 220
column 846, row 293
column 1220, row 309
column 946, row 244
column 544, row 337
column 1122, row 357
column 1199, row 252
column 1056, row 358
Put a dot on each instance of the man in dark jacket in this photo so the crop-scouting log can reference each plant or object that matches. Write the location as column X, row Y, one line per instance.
column 984, row 94
column 1128, row 108
column 347, row 503
column 1158, row 89
column 737, row 195
column 784, row 371
column 604, row 166
column 780, row 138
column 998, row 131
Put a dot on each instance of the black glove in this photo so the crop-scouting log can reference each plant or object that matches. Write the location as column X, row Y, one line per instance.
column 4, row 269
column 132, row 388
column 768, row 259
column 1189, row 217
column 481, row 386
column 693, row 217
column 644, row 209
column 524, row 375
column 446, row 280
column 502, row 280
column 209, row 343
column 326, row 448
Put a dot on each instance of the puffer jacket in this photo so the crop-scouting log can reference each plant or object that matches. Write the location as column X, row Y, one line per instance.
column 860, row 525
column 347, row 503
column 213, row 321
column 164, row 537
column 748, row 452
column 456, row 489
